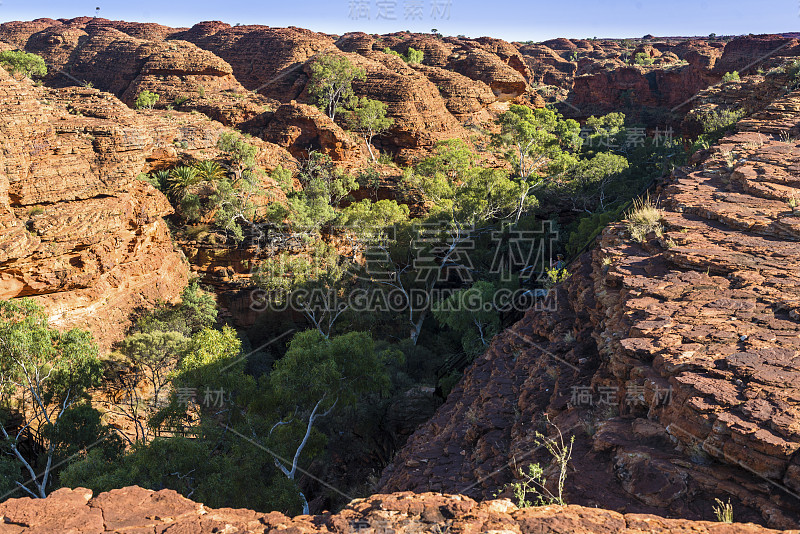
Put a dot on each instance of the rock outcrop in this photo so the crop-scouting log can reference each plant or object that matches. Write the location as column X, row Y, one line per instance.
column 675, row 362
column 745, row 54
column 78, row 231
column 301, row 128
column 128, row 58
column 134, row 509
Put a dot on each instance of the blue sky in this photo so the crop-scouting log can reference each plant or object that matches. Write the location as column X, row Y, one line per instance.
column 508, row 19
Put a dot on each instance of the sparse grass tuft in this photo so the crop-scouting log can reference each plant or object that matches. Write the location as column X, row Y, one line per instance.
column 793, row 204
column 724, row 511
column 643, row 218
column 730, row 159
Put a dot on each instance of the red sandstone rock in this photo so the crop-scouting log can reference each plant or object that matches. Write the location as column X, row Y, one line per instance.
column 746, row 54
column 134, row 509
column 300, row 128
column 78, row 231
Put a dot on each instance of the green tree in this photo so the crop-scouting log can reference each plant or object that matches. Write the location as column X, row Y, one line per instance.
column 43, row 373
column 209, row 468
column 643, row 59
column 23, row 63
column 731, row 77
column 324, row 188
column 211, row 359
column 149, row 359
column 462, row 191
column 471, row 313
column 316, row 375
column 79, row 430
column 235, row 204
column 605, row 129
column 540, row 146
column 414, row 56
column 331, row 82
column 372, row 218
column 587, row 184
column 196, row 311
column 146, row 100
column 369, row 119
column 371, row 179
column 241, row 153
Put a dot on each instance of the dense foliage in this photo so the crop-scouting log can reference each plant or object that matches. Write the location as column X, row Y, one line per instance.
column 146, row 100
column 23, row 63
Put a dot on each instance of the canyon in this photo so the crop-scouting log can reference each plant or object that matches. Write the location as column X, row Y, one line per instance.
column 675, row 361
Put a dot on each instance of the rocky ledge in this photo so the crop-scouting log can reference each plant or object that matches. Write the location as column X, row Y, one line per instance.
column 134, row 509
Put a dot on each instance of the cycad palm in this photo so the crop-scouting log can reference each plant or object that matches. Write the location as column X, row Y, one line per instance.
column 209, row 170
column 160, row 179
column 182, row 177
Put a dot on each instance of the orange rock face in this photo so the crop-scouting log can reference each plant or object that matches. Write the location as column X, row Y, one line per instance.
column 301, row 128
column 78, row 231
column 136, row 509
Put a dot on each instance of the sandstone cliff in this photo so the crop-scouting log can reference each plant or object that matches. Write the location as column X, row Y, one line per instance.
column 78, row 231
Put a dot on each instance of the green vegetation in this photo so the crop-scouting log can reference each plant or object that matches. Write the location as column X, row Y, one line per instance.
column 730, row 77
column 324, row 189
column 715, row 124
column 555, row 276
column 146, row 100
column 644, row 218
column 471, row 313
column 463, row 192
column 412, row 56
column 226, row 192
column 642, row 59
column 532, row 489
column 368, row 118
column 23, row 63
column 540, row 145
column 46, row 378
column 206, row 409
column 331, row 82
column 257, row 426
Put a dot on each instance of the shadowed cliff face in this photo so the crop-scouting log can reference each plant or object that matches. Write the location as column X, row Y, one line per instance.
column 135, row 509
column 674, row 362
